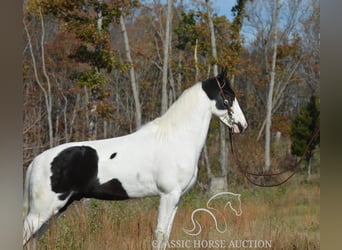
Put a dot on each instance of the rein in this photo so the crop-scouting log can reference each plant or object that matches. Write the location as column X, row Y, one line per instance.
column 293, row 169
column 248, row 174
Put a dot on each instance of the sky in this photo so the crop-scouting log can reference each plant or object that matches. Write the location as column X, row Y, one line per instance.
column 223, row 7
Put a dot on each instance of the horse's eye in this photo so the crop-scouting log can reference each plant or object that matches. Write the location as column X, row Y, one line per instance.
column 226, row 102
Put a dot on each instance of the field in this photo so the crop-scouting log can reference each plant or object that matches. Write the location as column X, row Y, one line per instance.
column 285, row 217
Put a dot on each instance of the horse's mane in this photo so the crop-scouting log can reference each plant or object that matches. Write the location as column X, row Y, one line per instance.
column 179, row 112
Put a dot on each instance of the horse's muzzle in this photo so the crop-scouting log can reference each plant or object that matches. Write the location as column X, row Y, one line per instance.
column 238, row 127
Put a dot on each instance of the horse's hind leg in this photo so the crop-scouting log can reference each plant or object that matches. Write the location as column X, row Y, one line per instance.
column 42, row 209
column 34, row 226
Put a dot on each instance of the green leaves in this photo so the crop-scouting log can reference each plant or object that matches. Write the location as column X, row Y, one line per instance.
column 186, row 30
column 92, row 79
column 101, row 59
column 304, row 126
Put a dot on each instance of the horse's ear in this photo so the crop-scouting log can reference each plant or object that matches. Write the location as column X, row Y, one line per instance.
column 223, row 74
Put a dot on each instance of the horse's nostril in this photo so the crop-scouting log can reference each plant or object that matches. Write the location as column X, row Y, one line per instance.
column 241, row 128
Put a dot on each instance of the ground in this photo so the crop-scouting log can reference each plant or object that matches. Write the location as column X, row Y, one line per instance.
column 288, row 217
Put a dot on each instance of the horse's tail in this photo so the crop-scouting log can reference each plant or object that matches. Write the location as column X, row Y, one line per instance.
column 27, row 190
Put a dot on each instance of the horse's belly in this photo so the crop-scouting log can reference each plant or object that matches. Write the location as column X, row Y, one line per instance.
column 136, row 180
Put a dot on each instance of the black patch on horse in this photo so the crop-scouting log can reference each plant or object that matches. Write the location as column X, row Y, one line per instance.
column 110, row 190
column 74, row 170
column 211, row 88
column 112, row 155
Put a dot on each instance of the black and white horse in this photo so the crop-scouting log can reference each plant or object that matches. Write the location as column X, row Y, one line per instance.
column 158, row 159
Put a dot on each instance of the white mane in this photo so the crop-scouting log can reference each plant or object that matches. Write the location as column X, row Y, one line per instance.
column 180, row 112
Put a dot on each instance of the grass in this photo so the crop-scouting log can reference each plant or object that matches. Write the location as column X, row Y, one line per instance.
column 288, row 216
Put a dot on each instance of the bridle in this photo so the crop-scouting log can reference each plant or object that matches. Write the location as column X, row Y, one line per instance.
column 226, row 104
column 250, row 175
column 230, row 113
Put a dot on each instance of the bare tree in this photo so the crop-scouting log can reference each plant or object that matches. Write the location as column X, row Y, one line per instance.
column 223, row 146
column 134, row 84
column 291, row 12
column 164, row 100
column 46, row 90
column 276, row 44
column 269, row 104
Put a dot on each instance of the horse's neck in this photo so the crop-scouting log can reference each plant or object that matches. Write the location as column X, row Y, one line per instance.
column 187, row 119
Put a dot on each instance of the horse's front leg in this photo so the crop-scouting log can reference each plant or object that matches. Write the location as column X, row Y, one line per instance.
column 166, row 213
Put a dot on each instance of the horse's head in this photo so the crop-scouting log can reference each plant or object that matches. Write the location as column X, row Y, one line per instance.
column 235, row 204
column 224, row 103
column 232, row 200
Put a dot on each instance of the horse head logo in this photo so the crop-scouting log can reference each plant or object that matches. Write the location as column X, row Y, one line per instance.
column 233, row 201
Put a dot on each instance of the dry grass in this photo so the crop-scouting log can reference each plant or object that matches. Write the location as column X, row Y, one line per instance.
column 286, row 215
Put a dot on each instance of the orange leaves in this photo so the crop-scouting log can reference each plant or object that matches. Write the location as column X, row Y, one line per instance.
column 281, row 123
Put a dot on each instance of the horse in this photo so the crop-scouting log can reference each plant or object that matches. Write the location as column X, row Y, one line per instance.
column 159, row 159
column 234, row 203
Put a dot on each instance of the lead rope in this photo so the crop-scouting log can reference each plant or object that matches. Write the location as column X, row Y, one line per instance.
column 248, row 174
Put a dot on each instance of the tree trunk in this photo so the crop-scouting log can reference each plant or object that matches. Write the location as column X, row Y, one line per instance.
column 309, row 169
column 172, row 92
column 92, row 129
column 73, row 118
column 46, row 92
column 270, row 91
column 207, row 162
column 212, row 37
column 65, row 117
column 134, row 85
column 278, row 93
column 223, row 146
column 180, row 75
column 196, row 62
column 87, row 115
column 105, row 128
column 164, row 100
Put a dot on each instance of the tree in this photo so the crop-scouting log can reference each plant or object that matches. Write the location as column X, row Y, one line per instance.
column 310, row 43
column 278, row 68
column 134, row 84
column 166, row 47
column 303, row 128
column 89, row 21
column 223, row 144
column 186, row 33
column 269, row 104
column 45, row 88
column 235, row 43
